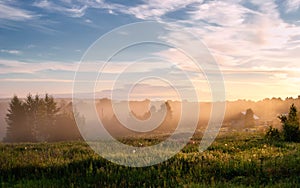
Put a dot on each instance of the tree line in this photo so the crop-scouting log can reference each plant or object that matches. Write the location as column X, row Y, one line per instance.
column 38, row 119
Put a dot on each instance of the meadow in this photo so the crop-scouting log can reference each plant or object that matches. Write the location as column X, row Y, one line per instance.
column 233, row 160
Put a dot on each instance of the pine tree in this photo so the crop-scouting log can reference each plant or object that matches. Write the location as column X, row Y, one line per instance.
column 18, row 129
column 51, row 111
column 41, row 115
column 38, row 119
column 31, row 114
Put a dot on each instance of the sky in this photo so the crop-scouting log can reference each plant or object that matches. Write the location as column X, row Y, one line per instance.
column 256, row 45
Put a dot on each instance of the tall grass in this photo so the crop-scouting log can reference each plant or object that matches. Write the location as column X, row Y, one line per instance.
column 234, row 160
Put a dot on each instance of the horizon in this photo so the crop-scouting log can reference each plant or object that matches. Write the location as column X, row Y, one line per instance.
column 59, row 97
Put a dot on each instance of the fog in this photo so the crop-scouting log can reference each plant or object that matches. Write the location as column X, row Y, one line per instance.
column 122, row 118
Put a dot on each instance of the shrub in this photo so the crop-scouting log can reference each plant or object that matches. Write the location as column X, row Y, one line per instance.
column 290, row 125
column 273, row 134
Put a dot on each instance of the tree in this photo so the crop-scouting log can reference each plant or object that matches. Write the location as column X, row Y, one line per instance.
column 49, row 118
column 65, row 127
column 290, row 125
column 272, row 134
column 249, row 118
column 31, row 106
column 167, row 125
column 18, row 129
column 40, row 116
column 39, row 119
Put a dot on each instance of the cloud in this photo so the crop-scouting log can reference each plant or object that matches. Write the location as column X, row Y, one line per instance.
column 111, row 12
column 113, row 68
column 11, row 14
column 155, row 9
column 88, row 21
column 78, row 8
column 30, row 80
column 250, row 40
column 140, row 91
column 14, row 66
column 243, row 33
column 223, row 13
column 256, row 48
column 250, row 44
column 73, row 11
column 292, row 5
column 8, row 12
column 14, row 52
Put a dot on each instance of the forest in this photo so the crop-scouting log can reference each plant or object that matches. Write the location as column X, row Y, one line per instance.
column 39, row 119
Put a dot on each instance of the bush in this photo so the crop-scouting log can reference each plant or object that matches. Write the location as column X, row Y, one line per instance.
column 273, row 134
column 291, row 132
column 290, row 125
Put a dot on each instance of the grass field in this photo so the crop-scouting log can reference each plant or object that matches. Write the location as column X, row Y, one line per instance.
column 232, row 161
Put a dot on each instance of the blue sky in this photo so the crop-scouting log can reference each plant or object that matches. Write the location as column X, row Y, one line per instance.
column 255, row 43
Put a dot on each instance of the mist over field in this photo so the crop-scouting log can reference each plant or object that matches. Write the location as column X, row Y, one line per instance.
column 265, row 111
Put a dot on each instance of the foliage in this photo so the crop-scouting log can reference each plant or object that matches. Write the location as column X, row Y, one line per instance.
column 231, row 161
column 49, row 118
column 249, row 118
column 39, row 119
column 18, row 129
column 65, row 128
column 290, row 125
column 272, row 134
